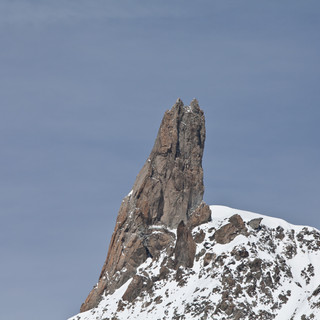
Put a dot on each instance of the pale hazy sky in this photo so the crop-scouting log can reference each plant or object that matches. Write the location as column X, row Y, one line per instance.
column 83, row 88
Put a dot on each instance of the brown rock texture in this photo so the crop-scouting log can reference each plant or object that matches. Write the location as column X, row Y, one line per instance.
column 136, row 286
column 168, row 189
column 202, row 214
column 170, row 184
column 185, row 248
column 229, row 231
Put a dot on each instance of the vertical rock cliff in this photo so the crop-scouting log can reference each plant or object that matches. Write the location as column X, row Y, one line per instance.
column 167, row 192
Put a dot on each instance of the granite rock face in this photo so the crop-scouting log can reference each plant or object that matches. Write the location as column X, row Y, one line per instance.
column 170, row 185
column 167, row 192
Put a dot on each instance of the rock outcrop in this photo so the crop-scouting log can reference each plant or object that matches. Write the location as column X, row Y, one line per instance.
column 185, row 248
column 167, row 192
column 229, row 231
column 255, row 223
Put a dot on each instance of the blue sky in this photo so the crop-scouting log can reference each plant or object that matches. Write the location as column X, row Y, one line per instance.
column 83, row 88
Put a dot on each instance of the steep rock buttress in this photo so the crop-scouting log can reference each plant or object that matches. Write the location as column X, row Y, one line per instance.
column 167, row 192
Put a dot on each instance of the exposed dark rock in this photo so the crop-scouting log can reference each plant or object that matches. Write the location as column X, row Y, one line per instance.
column 136, row 286
column 158, row 299
column 280, row 234
column 168, row 189
column 202, row 214
column 164, row 271
column 316, row 292
column 179, row 274
column 255, row 223
column 156, row 242
column 208, row 258
column 185, row 248
column 240, row 253
column 229, row 231
column 290, row 251
column 199, row 237
column 255, row 265
column 200, row 254
column 307, row 273
column 283, row 298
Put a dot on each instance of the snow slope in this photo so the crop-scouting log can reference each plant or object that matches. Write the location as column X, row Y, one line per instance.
column 273, row 272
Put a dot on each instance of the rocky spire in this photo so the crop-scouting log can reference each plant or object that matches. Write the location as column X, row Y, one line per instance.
column 170, row 185
column 168, row 189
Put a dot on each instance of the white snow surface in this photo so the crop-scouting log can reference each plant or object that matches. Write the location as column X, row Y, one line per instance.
column 228, row 286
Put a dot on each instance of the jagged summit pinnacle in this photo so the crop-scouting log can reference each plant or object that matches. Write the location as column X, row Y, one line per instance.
column 179, row 101
column 194, row 105
column 168, row 189
column 169, row 259
column 170, row 185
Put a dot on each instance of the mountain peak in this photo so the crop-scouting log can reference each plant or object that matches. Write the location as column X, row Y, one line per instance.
column 168, row 189
column 179, row 102
column 170, row 259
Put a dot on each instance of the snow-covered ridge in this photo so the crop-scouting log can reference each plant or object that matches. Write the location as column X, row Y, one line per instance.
column 272, row 271
column 224, row 212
